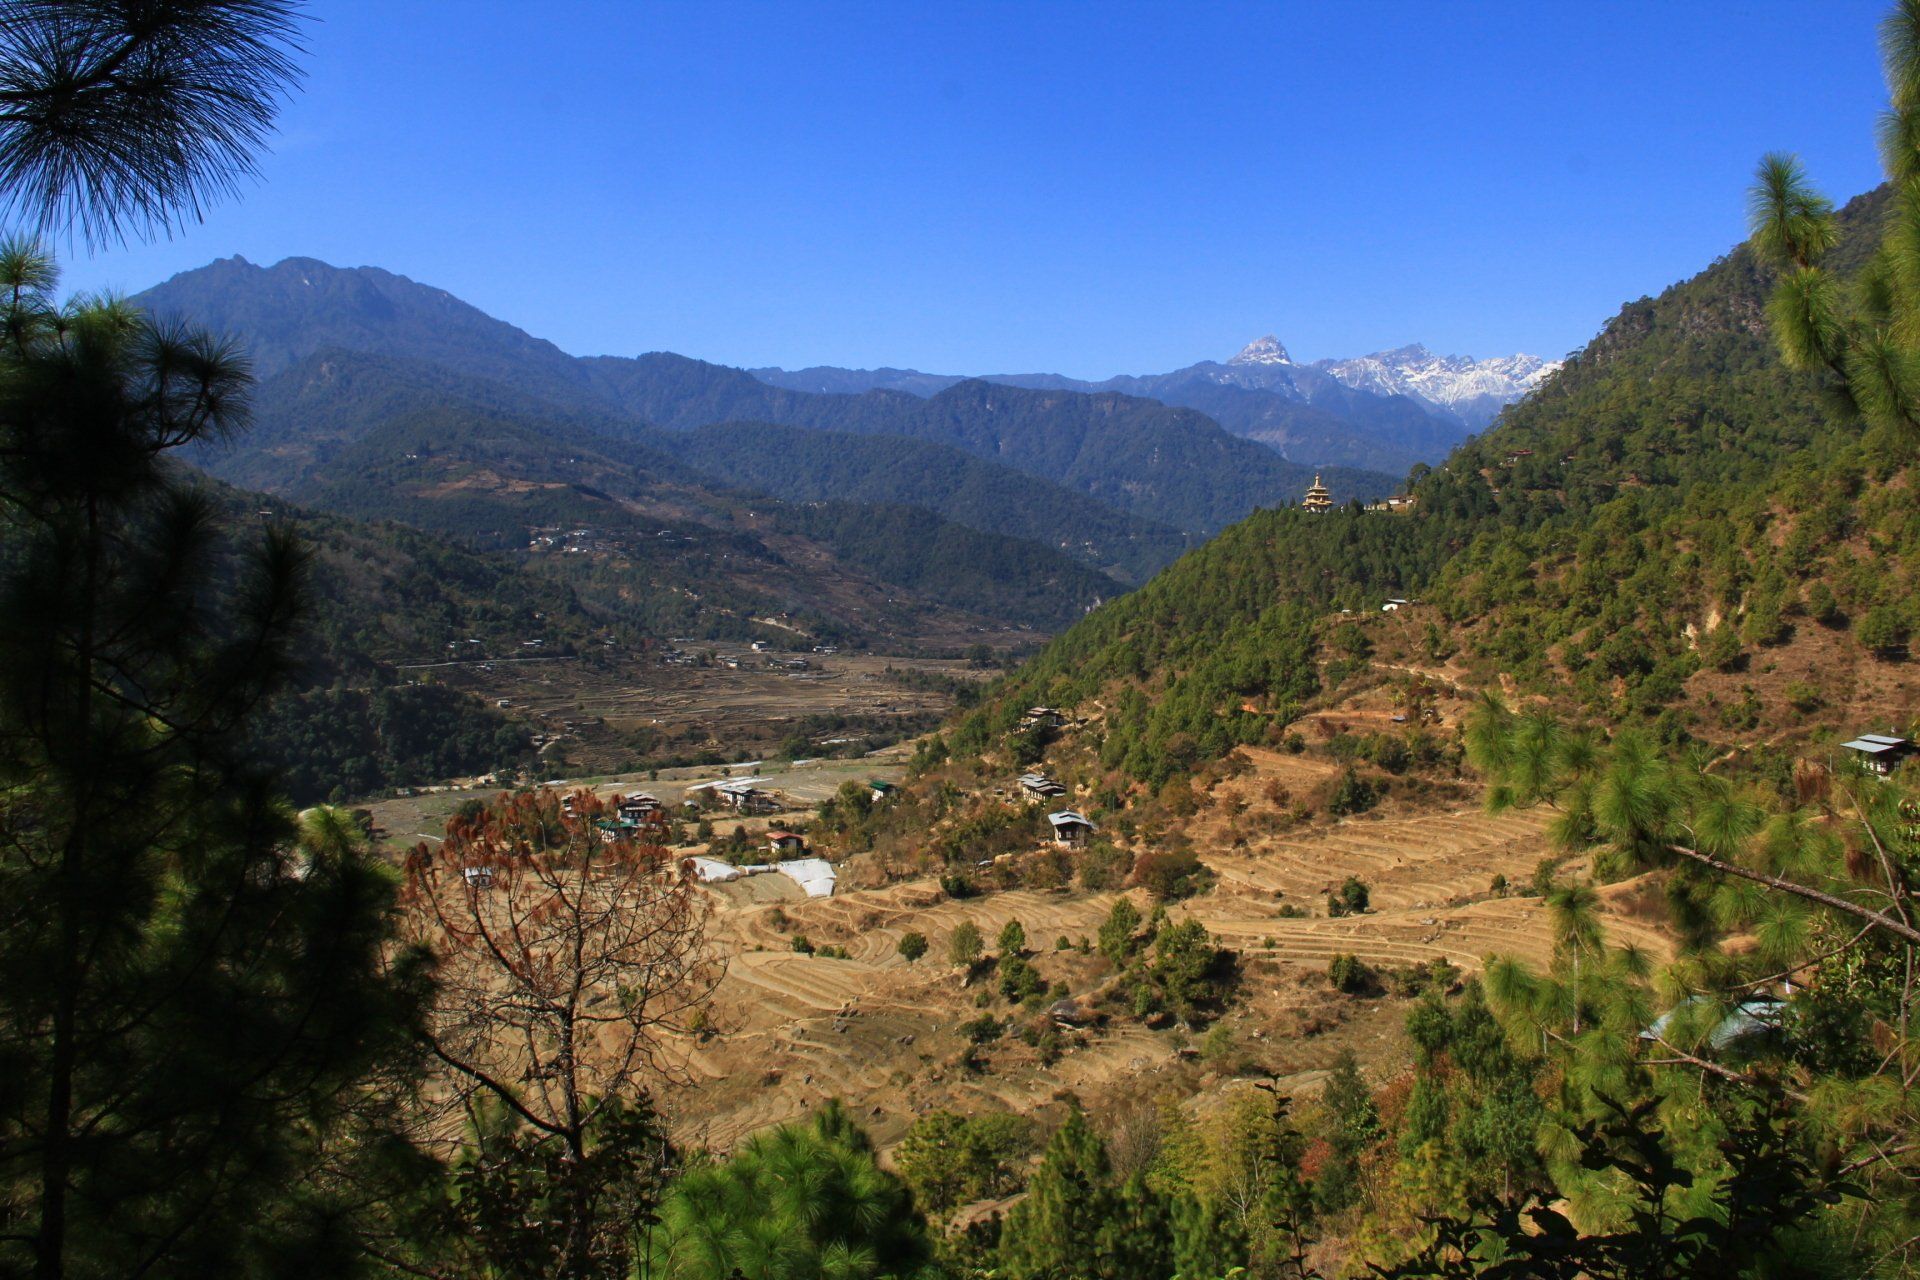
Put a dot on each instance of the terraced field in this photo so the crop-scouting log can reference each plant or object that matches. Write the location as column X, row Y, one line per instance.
column 882, row 1034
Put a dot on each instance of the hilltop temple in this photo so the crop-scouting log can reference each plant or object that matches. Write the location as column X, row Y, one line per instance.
column 1318, row 500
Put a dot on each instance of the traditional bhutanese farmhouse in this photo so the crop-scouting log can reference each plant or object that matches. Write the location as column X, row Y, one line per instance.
column 641, row 810
column 878, row 790
column 1041, row 718
column 786, row 844
column 1879, row 753
column 1038, row 786
column 1070, row 829
column 742, row 794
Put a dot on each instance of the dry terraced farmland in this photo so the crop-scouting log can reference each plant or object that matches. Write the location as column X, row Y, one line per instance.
column 882, row 1034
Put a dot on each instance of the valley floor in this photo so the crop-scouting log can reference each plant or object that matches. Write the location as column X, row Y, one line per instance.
column 598, row 715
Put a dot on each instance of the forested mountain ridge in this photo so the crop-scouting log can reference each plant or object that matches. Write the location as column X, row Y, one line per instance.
column 813, row 465
column 387, row 597
column 301, row 308
column 1675, row 529
column 668, row 555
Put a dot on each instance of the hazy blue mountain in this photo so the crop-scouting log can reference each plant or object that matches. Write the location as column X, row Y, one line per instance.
column 1304, row 413
column 1168, row 465
column 1385, row 411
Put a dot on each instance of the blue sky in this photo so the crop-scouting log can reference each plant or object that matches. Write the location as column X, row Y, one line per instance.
column 1082, row 188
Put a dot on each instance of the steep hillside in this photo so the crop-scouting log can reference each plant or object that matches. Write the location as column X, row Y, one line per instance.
column 383, row 597
column 305, row 413
column 1307, row 413
column 1673, row 530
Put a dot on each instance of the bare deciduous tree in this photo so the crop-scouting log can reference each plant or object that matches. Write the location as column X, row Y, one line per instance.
column 569, row 956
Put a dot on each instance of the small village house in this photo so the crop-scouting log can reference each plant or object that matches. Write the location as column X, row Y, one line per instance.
column 641, row 810
column 1070, row 829
column 1879, row 753
column 786, row 844
column 1038, row 786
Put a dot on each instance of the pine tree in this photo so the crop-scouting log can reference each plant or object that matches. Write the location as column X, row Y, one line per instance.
column 1142, row 1232
column 1116, row 931
column 196, row 997
column 1065, row 1226
column 1207, row 1239
column 804, row 1201
column 1863, row 336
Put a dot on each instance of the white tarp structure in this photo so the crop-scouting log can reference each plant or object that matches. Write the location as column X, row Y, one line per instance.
column 814, row 875
column 714, row 871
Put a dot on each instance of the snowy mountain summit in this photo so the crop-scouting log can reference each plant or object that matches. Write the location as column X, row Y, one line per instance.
column 1474, row 391
column 1265, row 350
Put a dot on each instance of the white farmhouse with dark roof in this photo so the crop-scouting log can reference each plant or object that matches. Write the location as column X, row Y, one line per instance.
column 1070, row 829
column 1879, row 753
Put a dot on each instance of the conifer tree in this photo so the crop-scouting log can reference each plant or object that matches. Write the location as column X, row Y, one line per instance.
column 1066, row 1225
column 1116, row 931
column 1862, row 334
column 1208, row 1240
column 195, row 1000
column 804, row 1201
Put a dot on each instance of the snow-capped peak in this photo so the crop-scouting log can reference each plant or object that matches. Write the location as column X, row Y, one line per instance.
column 1473, row 390
column 1265, row 350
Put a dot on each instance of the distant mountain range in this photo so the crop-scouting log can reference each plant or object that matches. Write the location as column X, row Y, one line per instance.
column 1385, row 411
column 1170, row 466
column 668, row 496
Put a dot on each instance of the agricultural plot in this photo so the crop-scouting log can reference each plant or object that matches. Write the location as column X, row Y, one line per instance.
column 884, row 1035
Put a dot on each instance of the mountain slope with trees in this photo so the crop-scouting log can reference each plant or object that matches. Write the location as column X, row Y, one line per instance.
column 813, row 465
column 1676, row 529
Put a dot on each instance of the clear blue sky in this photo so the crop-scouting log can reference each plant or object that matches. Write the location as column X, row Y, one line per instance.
column 1083, row 188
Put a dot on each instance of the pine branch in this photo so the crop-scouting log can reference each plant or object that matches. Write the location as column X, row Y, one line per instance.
column 1897, row 927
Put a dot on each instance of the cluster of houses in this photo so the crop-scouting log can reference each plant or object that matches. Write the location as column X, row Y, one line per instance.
column 742, row 795
column 1071, row 829
column 636, row 814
